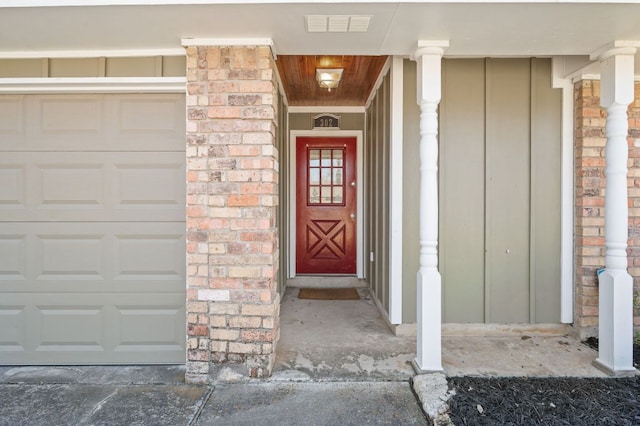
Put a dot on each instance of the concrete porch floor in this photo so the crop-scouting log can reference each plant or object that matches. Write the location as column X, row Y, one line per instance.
column 348, row 340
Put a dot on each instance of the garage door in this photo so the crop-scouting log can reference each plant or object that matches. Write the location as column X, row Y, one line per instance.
column 92, row 247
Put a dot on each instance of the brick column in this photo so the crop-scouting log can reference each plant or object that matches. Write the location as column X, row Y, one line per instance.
column 590, row 191
column 590, row 140
column 232, row 194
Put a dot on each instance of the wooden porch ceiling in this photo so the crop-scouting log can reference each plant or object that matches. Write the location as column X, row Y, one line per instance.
column 298, row 75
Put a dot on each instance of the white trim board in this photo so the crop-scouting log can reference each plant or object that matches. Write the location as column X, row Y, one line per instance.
column 396, row 190
column 120, row 53
column 94, row 85
column 567, row 190
column 293, row 135
column 321, row 109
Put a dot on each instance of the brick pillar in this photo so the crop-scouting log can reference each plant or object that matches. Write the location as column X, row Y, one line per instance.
column 590, row 140
column 232, row 194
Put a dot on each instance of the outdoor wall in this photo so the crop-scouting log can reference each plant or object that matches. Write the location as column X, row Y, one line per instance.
column 152, row 66
column 499, row 235
column 376, row 212
column 411, row 192
column 499, row 191
column 590, row 141
column 233, row 302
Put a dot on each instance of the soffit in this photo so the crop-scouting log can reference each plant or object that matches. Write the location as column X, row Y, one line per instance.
column 474, row 29
column 297, row 74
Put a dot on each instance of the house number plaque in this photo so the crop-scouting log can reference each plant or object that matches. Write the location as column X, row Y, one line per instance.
column 326, row 121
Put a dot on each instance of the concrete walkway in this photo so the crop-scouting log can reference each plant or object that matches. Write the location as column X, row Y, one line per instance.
column 157, row 395
column 337, row 363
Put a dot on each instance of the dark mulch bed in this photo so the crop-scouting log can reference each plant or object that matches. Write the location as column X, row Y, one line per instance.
column 547, row 401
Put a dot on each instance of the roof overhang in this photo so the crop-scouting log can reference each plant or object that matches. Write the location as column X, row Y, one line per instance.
column 473, row 28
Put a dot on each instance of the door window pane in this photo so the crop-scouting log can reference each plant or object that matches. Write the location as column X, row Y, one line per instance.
column 326, row 158
column 314, row 195
column 314, row 157
column 314, row 176
column 337, row 195
column 337, row 176
column 326, row 176
column 337, row 158
column 325, row 197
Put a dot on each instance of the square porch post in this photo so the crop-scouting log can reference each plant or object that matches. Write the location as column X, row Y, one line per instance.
column 616, row 285
column 232, row 194
column 429, row 289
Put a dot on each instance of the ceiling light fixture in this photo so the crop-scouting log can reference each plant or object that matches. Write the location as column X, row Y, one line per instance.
column 328, row 78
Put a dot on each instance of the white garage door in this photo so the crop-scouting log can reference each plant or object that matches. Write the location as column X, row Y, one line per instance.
column 92, row 247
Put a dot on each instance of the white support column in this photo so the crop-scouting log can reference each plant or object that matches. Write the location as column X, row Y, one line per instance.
column 429, row 345
column 616, row 285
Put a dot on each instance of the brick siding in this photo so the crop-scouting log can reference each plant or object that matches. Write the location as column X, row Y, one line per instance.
column 232, row 194
column 590, row 141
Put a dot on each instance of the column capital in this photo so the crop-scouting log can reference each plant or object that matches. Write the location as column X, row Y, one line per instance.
column 615, row 48
column 429, row 59
column 617, row 73
column 430, row 47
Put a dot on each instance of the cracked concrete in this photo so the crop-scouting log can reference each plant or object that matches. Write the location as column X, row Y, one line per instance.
column 337, row 363
column 339, row 340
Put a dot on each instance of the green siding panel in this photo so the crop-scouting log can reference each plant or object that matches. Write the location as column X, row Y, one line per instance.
column 410, row 193
column 546, row 195
column 507, row 190
column 462, row 192
column 499, row 191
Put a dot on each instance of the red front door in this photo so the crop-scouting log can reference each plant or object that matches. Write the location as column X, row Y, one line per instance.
column 326, row 197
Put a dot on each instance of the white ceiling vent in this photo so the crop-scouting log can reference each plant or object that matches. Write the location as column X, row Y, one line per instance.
column 337, row 23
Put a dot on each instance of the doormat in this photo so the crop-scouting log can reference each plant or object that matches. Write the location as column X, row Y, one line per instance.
column 329, row 294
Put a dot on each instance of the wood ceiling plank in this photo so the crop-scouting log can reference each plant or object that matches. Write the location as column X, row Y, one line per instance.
column 298, row 76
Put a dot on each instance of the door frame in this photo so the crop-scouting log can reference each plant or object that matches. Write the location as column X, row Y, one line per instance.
column 291, row 244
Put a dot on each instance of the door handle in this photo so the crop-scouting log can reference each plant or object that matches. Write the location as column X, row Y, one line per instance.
column 352, row 215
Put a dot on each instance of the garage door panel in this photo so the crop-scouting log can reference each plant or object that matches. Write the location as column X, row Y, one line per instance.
column 159, row 185
column 150, row 257
column 148, row 117
column 103, row 328
column 92, row 232
column 92, row 186
column 65, row 117
column 12, row 328
column 71, row 327
column 13, row 257
column 92, row 257
column 142, row 326
column 12, row 187
column 72, row 257
column 11, row 120
column 92, row 122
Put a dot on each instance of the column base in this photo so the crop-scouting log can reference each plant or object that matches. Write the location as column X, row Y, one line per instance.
column 614, row 373
column 615, row 333
column 418, row 370
column 429, row 316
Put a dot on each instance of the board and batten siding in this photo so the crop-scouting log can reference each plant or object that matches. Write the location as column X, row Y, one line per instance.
column 499, row 192
column 376, row 214
column 150, row 66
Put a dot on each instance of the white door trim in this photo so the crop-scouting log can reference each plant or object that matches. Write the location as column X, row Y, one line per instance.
column 567, row 199
column 294, row 134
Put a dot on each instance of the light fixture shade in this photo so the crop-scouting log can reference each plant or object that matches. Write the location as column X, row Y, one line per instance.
column 328, row 78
